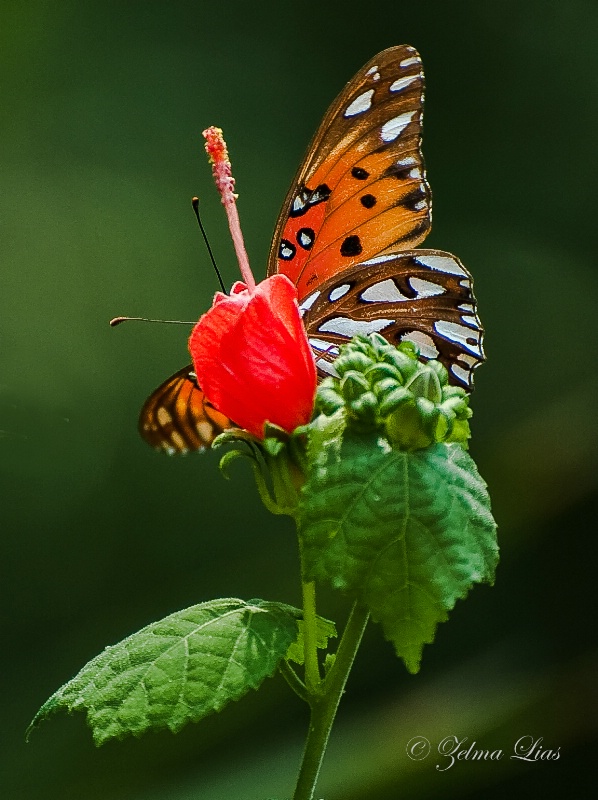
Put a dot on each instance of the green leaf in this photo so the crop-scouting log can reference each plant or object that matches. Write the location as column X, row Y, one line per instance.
column 406, row 533
column 325, row 629
column 178, row 670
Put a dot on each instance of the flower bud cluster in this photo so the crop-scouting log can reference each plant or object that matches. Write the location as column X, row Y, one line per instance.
column 387, row 388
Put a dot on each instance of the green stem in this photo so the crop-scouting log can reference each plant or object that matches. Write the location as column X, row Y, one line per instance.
column 324, row 704
column 310, row 639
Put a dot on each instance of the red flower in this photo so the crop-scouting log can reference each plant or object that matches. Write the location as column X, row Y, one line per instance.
column 252, row 357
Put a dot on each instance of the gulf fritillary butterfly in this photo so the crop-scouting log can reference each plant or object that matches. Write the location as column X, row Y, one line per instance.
column 358, row 205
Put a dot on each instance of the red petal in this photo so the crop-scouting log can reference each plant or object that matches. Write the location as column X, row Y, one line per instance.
column 253, row 359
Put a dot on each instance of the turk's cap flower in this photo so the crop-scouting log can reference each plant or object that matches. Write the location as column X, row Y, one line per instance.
column 252, row 357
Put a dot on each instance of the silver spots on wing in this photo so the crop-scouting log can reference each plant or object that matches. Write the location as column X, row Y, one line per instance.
column 394, row 127
column 425, row 288
column 463, row 375
column 425, row 343
column 402, row 83
column 345, row 326
column 306, row 238
column 338, row 292
column 287, row 250
column 442, row 264
column 325, row 361
column 327, row 366
column 360, row 104
column 383, row 292
column 323, row 346
column 465, row 337
column 299, row 204
column 410, row 62
column 308, row 302
column 470, row 361
column 378, row 260
column 306, row 198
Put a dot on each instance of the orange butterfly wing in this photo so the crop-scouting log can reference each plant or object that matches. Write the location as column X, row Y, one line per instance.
column 178, row 418
column 361, row 190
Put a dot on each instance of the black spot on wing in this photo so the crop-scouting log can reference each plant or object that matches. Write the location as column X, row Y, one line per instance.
column 351, row 246
column 360, row 174
column 413, row 199
column 368, row 200
column 306, row 198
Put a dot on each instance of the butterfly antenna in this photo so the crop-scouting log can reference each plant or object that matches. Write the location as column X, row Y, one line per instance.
column 195, row 204
column 117, row 321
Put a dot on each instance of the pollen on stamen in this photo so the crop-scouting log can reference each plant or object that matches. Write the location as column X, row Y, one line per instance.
column 225, row 183
column 221, row 166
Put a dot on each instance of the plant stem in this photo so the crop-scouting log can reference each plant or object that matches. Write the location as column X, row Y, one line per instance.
column 310, row 639
column 324, row 704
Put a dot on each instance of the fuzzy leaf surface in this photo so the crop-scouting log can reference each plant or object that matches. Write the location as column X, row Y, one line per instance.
column 406, row 533
column 178, row 670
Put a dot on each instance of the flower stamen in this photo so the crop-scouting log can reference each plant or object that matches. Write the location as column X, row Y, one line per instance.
column 225, row 183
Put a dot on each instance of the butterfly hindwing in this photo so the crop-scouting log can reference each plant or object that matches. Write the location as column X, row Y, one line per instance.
column 178, row 418
column 421, row 295
column 362, row 189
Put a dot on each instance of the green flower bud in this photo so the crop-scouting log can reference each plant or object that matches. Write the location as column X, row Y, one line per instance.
column 389, row 389
column 378, row 373
column 404, row 428
column 405, row 363
column 385, row 386
column 440, row 370
column 425, row 383
column 328, row 400
column 393, row 399
column 353, row 384
column 365, row 407
column 353, row 360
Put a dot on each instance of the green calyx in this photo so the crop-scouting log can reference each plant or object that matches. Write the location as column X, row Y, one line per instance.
column 277, row 462
column 387, row 388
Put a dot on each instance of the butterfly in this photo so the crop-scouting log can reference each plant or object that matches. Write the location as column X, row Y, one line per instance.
column 346, row 236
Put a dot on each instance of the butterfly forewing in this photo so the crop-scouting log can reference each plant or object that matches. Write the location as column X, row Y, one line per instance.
column 421, row 295
column 178, row 418
column 362, row 189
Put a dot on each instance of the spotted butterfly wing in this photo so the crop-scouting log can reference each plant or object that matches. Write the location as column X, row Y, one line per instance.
column 358, row 202
column 345, row 236
column 362, row 189
column 177, row 417
column 423, row 296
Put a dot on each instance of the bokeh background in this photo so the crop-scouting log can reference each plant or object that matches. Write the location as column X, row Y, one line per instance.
column 101, row 113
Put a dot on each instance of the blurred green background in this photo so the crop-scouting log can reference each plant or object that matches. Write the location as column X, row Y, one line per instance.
column 102, row 109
